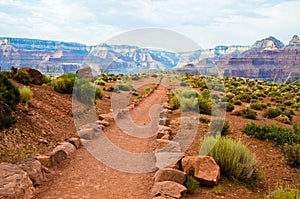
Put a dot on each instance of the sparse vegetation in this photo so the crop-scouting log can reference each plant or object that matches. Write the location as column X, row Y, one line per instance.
column 9, row 98
column 25, row 95
column 248, row 113
column 273, row 133
column 233, row 157
column 191, row 184
column 284, row 192
column 64, row 83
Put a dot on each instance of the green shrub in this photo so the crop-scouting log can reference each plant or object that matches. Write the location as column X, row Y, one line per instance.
column 125, row 87
column 272, row 112
column 86, row 92
column 25, row 95
column 244, row 97
column 64, row 83
column 273, row 133
column 282, row 192
column 148, row 90
column 173, row 103
column 205, row 105
column 204, row 119
column 191, row 184
column 292, row 153
column 99, row 93
column 100, row 82
column 9, row 98
column 258, row 105
column 237, row 102
column 219, row 189
column 233, row 157
column 248, row 113
column 220, row 125
column 22, row 77
column 229, row 107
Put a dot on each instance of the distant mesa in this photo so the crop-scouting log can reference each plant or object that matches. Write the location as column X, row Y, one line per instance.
column 264, row 59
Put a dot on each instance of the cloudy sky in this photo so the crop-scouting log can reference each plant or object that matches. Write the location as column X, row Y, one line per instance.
column 207, row 22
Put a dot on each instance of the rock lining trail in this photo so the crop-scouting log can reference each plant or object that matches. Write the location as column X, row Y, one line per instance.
column 82, row 176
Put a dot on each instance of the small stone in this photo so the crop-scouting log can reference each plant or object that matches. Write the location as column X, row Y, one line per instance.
column 168, row 174
column 168, row 189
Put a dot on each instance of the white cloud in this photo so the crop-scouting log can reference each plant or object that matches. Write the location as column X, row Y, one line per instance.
column 207, row 22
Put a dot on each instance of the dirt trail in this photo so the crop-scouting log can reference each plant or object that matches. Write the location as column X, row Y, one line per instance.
column 82, row 176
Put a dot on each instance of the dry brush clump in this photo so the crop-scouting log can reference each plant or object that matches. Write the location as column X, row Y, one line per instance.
column 9, row 98
column 233, row 157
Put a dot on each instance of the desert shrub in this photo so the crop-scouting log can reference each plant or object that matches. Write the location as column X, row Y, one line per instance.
column 233, row 157
column 204, row 119
column 9, row 94
column 273, row 133
column 288, row 102
column 229, row 107
column 64, row 83
column 237, row 102
column 258, row 105
column 135, row 78
column 183, row 83
column 205, row 105
column 289, row 113
column 248, row 113
column 46, row 79
column 187, row 100
column 292, row 153
column 173, row 103
column 191, row 184
column 9, row 98
column 25, row 95
column 244, row 97
column 219, row 189
column 85, row 91
column 125, row 87
column 148, row 90
column 282, row 192
column 230, row 95
column 100, row 82
column 272, row 112
column 99, row 93
column 22, row 77
column 220, row 125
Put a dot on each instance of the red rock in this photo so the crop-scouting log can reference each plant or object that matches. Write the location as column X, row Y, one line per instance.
column 34, row 170
column 14, row 182
column 168, row 174
column 203, row 168
column 35, row 75
column 168, row 189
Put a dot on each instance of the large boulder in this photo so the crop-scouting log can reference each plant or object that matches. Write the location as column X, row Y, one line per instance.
column 14, row 182
column 35, row 76
column 168, row 189
column 169, row 174
column 34, row 170
column 203, row 168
